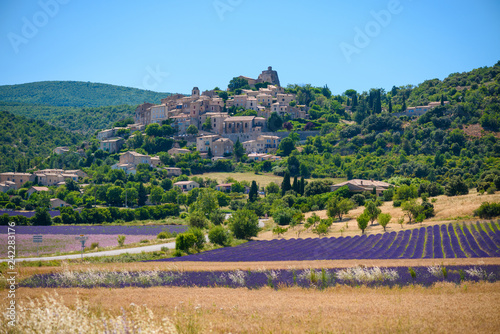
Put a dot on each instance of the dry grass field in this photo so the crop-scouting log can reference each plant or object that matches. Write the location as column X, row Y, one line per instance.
column 445, row 308
column 447, row 209
column 262, row 179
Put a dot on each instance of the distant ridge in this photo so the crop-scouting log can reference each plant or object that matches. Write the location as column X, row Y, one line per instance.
column 77, row 94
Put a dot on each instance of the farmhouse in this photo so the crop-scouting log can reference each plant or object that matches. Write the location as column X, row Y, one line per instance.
column 187, row 185
column 358, row 186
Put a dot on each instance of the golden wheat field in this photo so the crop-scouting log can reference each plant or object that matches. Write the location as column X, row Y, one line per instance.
column 445, row 308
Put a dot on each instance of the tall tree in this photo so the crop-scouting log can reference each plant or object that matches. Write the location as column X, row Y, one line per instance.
column 403, row 107
column 285, row 185
column 295, row 185
column 302, row 185
column 238, row 150
column 390, row 105
column 253, row 195
column 142, row 195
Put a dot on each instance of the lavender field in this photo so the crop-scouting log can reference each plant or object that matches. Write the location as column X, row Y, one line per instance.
column 438, row 241
column 97, row 229
column 308, row 278
column 62, row 238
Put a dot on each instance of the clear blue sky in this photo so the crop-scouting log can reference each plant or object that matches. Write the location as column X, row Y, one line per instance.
column 205, row 43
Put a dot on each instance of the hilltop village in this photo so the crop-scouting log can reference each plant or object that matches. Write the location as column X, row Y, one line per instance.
column 204, row 119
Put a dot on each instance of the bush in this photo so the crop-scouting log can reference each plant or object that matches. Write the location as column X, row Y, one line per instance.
column 456, row 187
column 121, row 240
column 197, row 220
column 177, row 253
column 244, row 224
column 359, row 199
column 200, row 238
column 184, row 242
column 217, row 217
column 94, row 245
column 218, row 235
column 488, row 210
column 164, row 235
column 283, row 216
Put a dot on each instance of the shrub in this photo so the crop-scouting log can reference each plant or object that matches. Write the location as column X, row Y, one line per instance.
column 145, row 241
column 200, row 238
column 177, row 253
column 244, row 224
column 283, row 216
column 94, row 245
column 164, row 235
column 218, row 235
column 197, row 220
column 184, row 242
column 217, row 217
column 488, row 210
column 121, row 240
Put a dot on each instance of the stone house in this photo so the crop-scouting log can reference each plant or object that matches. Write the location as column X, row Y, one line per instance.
column 358, row 186
column 35, row 189
column 187, row 185
column 17, row 178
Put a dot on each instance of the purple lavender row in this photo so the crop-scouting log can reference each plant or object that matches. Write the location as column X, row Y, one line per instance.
column 382, row 245
column 445, row 240
column 419, row 246
column 455, row 245
column 465, row 244
column 473, row 237
column 438, row 247
column 483, row 239
column 410, row 249
column 429, row 244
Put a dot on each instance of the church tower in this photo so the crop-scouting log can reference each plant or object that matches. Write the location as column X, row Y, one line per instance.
column 195, row 92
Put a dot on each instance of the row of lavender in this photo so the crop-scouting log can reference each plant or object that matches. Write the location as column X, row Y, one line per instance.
column 438, row 241
column 308, row 278
column 97, row 229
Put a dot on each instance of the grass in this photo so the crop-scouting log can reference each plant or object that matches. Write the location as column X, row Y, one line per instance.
column 471, row 307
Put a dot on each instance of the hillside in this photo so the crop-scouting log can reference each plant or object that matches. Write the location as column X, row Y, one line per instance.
column 76, row 94
column 85, row 121
column 25, row 142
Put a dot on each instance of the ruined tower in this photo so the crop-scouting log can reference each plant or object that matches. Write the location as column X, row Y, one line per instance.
column 270, row 76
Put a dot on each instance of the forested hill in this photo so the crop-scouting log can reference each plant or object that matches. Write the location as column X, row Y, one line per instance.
column 76, row 94
column 26, row 142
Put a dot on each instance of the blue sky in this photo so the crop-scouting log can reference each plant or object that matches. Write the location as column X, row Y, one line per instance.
column 173, row 45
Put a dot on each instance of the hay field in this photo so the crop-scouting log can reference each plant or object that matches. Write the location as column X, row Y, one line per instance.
column 262, row 179
column 444, row 308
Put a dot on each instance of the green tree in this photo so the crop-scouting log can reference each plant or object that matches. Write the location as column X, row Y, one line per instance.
column 237, row 83
column 339, row 207
column 142, row 195
column 207, row 125
column 218, row 235
column 41, row 217
column 372, row 211
column 185, row 241
column 286, row 147
column 192, row 130
column 206, row 202
column 244, row 224
column 238, row 150
column 253, row 195
column 275, row 122
column 272, row 188
column 323, row 227
column 197, row 220
column 363, row 220
column 456, row 187
column 200, row 238
column 114, row 195
column 156, row 194
column 285, row 185
column 384, row 219
column 130, row 195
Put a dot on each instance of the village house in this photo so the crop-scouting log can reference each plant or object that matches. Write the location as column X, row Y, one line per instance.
column 187, row 185
column 61, row 150
column 35, row 189
column 224, row 187
column 358, row 186
column 263, row 157
column 57, row 203
column 419, row 110
column 112, row 145
column 176, row 151
column 18, row 179
column 173, row 171
column 262, row 144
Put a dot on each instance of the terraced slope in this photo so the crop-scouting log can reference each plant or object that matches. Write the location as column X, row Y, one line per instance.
column 438, row 241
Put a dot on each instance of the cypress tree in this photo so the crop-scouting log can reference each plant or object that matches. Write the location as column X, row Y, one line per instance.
column 403, row 108
column 142, row 196
column 295, row 186
column 302, row 185
column 390, row 106
column 254, row 192
column 285, row 185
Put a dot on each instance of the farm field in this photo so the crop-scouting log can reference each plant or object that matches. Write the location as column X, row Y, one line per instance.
column 447, row 209
column 61, row 239
column 471, row 307
column 438, row 241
